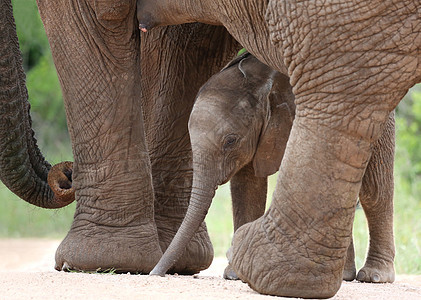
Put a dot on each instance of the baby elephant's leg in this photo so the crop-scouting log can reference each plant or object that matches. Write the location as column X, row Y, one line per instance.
column 248, row 194
column 376, row 197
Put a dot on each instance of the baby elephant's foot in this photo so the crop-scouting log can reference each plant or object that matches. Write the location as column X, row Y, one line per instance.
column 377, row 273
column 230, row 274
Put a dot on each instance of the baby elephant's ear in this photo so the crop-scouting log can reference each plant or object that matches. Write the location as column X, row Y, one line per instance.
column 275, row 132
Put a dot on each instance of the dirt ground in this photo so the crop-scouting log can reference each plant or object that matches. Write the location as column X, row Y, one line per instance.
column 26, row 272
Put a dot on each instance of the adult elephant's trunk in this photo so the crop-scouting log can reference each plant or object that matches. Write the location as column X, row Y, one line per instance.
column 23, row 169
column 203, row 191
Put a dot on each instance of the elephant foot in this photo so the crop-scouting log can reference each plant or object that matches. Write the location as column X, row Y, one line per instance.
column 198, row 255
column 134, row 250
column 273, row 263
column 376, row 272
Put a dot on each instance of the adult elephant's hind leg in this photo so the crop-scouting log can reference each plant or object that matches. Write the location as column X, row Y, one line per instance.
column 376, row 198
column 178, row 59
column 113, row 227
column 298, row 247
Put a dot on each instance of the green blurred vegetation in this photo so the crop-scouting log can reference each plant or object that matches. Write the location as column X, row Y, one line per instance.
column 47, row 108
column 19, row 219
column 407, row 201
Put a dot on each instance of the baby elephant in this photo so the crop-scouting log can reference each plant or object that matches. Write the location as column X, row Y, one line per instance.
column 239, row 128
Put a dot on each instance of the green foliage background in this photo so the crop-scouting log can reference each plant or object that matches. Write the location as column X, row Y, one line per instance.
column 19, row 219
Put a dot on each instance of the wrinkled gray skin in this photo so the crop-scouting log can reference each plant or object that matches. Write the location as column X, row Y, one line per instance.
column 349, row 63
column 239, row 129
column 131, row 176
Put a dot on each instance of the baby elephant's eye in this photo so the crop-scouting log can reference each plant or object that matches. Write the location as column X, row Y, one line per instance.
column 230, row 141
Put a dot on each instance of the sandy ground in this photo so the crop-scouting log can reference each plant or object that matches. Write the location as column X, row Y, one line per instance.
column 26, row 272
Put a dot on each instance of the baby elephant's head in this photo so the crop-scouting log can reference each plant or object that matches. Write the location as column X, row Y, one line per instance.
column 242, row 115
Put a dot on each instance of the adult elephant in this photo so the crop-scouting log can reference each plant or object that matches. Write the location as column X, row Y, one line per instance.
column 129, row 203
column 350, row 63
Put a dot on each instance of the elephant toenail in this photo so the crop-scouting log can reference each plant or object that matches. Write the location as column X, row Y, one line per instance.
column 376, row 278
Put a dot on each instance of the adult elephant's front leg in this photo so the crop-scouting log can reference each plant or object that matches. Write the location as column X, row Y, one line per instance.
column 179, row 59
column 96, row 52
column 298, row 247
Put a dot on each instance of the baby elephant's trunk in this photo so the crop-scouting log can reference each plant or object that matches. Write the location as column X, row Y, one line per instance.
column 201, row 198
